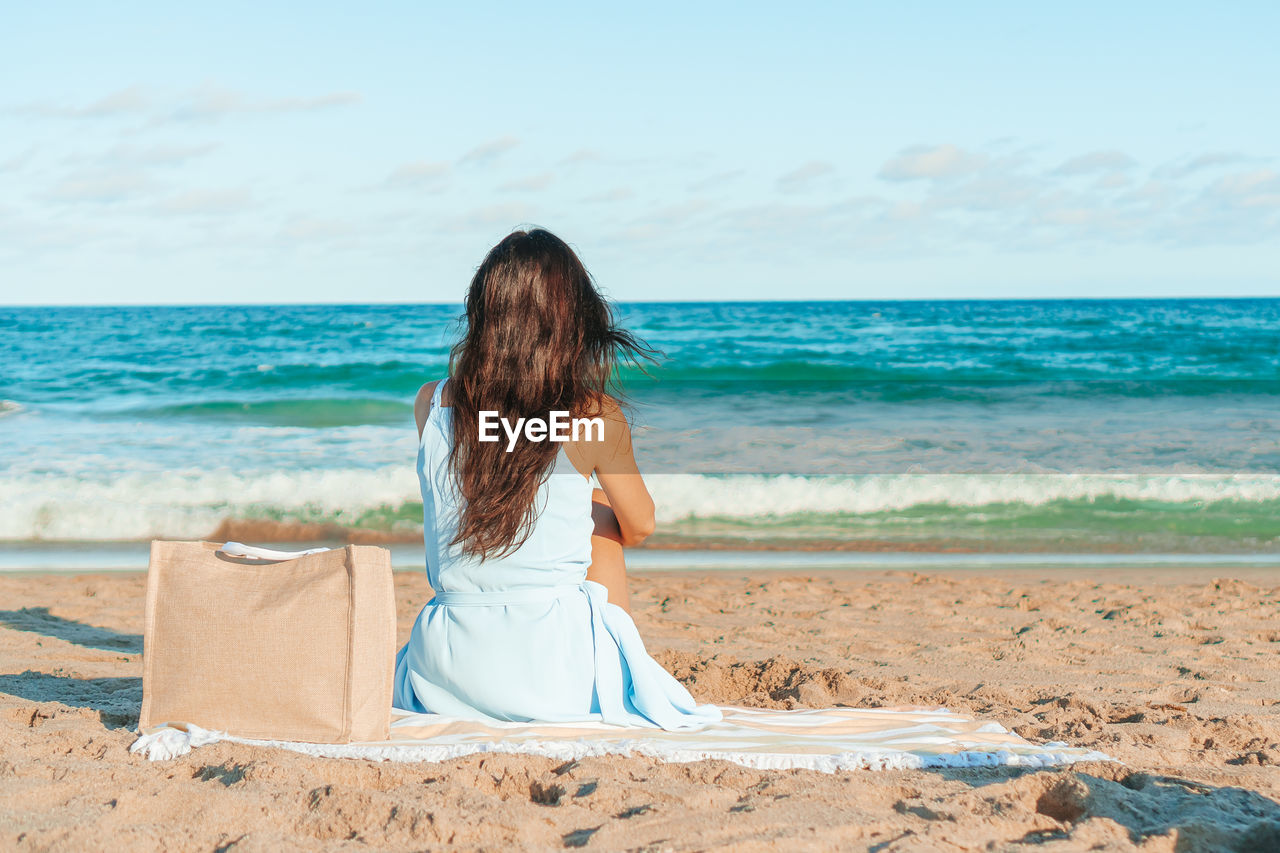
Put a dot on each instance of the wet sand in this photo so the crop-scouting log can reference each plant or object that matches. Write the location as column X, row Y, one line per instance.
column 1176, row 673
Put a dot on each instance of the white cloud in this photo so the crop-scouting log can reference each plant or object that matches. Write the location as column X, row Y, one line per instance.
column 604, row 196
column 122, row 103
column 206, row 202
column 676, row 214
column 156, row 155
column 24, row 236
column 1096, row 161
column 1151, row 193
column 308, row 229
column 488, row 151
column 532, row 183
column 1002, row 185
column 942, row 199
column 1071, row 216
column 210, row 102
column 103, row 187
column 504, row 216
column 581, row 157
column 418, row 175
column 717, row 180
column 1202, row 162
column 204, row 103
column 802, row 224
column 932, row 163
column 804, row 176
column 1113, row 180
column 907, row 210
column 669, row 223
column 18, row 161
column 1257, row 188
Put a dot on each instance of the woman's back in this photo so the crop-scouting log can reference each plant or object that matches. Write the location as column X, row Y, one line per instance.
column 557, row 550
column 525, row 636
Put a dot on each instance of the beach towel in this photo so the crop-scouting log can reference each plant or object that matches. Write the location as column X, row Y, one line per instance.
column 829, row 740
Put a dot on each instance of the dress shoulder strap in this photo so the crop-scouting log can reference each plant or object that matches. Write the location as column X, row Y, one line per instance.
column 435, row 396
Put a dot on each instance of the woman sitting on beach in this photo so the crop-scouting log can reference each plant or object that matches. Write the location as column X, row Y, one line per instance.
column 529, row 621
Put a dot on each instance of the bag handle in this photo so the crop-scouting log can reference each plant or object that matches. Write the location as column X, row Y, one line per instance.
column 253, row 552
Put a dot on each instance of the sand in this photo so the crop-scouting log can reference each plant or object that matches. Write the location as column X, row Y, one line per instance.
column 1176, row 674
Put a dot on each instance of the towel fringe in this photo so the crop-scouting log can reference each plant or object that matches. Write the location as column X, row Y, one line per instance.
column 174, row 739
column 893, row 752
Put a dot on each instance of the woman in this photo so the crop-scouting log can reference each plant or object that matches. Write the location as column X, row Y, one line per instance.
column 529, row 618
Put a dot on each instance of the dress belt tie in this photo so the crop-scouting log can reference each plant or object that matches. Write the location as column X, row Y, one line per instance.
column 500, row 597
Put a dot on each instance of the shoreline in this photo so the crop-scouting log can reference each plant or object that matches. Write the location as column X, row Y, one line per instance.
column 265, row 530
column 1044, row 576
column 125, row 557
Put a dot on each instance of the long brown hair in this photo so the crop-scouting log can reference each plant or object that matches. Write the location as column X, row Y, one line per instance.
column 539, row 337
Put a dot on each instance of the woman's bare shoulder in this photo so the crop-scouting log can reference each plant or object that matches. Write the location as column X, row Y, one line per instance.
column 607, row 407
column 427, row 390
column 612, row 441
column 422, row 404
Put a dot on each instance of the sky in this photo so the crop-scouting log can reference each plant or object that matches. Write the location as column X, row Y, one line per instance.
column 334, row 152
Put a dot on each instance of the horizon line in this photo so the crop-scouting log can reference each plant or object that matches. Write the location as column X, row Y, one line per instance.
column 1011, row 299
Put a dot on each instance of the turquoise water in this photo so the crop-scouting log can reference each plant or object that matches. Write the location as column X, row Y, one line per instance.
column 1147, row 426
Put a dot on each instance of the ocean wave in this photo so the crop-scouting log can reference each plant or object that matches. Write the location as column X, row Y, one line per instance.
column 698, row 377
column 245, row 376
column 945, row 381
column 9, row 407
column 681, row 496
column 333, row 412
column 194, row 503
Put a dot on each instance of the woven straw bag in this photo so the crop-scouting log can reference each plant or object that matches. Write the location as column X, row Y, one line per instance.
column 266, row 644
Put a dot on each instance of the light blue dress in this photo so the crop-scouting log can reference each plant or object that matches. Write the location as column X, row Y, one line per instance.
column 527, row 637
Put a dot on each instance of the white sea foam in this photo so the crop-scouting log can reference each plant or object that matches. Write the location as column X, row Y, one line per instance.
column 192, row 503
column 142, row 506
column 747, row 496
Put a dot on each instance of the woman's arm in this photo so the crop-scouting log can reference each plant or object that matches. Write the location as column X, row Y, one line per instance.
column 615, row 468
column 622, row 510
column 608, row 566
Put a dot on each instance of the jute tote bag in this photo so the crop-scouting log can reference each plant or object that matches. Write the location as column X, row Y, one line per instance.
column 294, row 649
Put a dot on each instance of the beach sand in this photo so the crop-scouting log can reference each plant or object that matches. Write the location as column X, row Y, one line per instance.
column 1174, row 673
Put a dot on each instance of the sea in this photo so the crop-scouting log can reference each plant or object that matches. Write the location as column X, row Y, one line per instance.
column 1098, row 427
